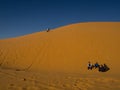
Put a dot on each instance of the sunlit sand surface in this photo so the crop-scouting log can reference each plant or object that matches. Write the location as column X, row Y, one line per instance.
column 57, row 60
column 21, row 80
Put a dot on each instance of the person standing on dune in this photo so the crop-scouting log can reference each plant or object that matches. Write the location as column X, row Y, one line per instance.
column 48, row 29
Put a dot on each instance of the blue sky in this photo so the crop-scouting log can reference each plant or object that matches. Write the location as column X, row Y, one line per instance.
column 20, row 17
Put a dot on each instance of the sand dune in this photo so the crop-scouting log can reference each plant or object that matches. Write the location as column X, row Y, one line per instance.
column 68, row 48
column 57, row 60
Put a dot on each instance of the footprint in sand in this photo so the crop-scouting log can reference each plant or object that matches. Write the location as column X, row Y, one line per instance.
column 13, row 87
column 32, row 88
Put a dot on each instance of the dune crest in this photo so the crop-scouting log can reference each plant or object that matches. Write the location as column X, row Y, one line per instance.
column 68, row 48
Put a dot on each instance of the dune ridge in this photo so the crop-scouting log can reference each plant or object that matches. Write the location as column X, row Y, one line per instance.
column 64, row 49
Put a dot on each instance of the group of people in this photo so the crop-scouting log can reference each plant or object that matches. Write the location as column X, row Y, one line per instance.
column 101, row 68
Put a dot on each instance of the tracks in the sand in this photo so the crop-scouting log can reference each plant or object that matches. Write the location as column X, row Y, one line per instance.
column 22, row 80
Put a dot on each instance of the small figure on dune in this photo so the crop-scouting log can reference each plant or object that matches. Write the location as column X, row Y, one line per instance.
column 106, row 67
column 103, row 68
column 90, row 66
column 96, row 65
column 48, row 29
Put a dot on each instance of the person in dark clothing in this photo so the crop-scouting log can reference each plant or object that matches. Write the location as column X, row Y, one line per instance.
column 106, row 67
column 101, row 68
column 96, row 65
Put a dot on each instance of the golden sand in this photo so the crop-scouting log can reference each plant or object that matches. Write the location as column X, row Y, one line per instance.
column 66, row 49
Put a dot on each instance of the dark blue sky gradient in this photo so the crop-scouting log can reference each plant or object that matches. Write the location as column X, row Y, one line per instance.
column 20, row 17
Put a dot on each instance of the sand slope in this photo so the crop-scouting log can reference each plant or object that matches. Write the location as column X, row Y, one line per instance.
column 65, row 49
column 57, row 60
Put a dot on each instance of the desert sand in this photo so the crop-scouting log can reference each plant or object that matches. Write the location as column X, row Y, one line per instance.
column 57, row 60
